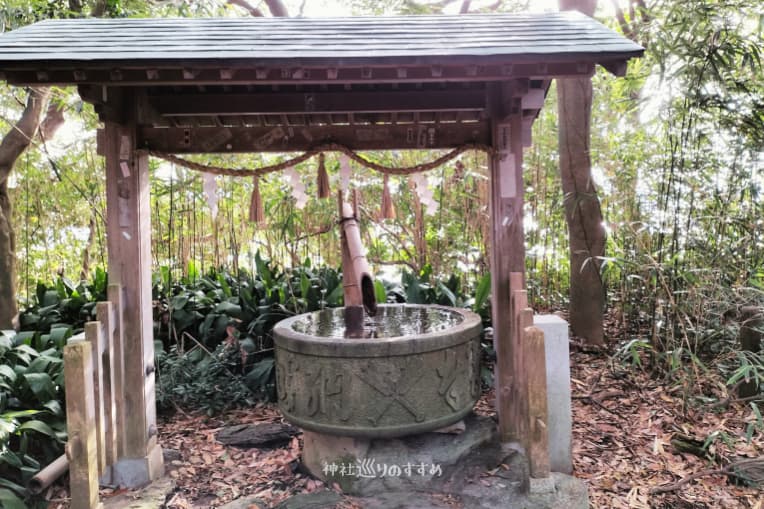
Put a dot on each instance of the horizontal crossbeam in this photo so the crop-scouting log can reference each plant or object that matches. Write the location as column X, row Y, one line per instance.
column 318, row 102
column 297, row 139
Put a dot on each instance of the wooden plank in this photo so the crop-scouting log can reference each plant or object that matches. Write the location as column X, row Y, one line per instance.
column 129, row 245
column 82, row 449
column 105, row 311
column 537, row 445
column 116, row 319
column 519, row 319
column 276, row 103
column 180, row 140
column 95, row 335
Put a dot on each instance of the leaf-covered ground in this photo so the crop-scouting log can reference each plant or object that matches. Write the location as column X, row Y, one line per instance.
column 624, row 424
column 625, row 431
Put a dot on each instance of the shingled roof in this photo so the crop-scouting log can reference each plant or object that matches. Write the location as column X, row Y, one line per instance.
column 340, row 42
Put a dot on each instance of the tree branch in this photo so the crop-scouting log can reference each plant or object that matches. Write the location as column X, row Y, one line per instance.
column 277, row 8
column 733, row 469
column 465, row 8
column 253, row 11
column 20, row 136
column 626, row 28
column 54, row 119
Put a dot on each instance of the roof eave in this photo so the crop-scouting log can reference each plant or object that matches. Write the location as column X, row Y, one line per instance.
column 480, row 67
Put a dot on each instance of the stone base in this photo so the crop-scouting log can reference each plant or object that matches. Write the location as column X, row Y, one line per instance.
column 432, row 470
column 152, row 496
column 137, row 472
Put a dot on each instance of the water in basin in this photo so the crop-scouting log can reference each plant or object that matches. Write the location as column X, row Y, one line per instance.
column 390, row 322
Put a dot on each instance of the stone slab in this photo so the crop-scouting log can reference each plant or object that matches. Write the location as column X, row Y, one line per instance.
column 316, row 500
column 560, row 425
column 415, row 462
column 152, row 496
column 474, row 487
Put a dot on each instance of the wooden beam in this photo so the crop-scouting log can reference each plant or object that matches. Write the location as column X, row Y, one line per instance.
column 616, row 67
column 274, row 74
column 173, row 104
column 277, row 139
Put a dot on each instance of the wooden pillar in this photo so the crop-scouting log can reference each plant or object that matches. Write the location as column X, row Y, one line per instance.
column 129, row 248
column 507, row 247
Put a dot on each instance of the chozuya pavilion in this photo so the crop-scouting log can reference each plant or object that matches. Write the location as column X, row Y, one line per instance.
column 180, row 86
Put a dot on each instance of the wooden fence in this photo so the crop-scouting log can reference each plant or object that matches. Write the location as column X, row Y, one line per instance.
column 93, row 370
column 521, row 383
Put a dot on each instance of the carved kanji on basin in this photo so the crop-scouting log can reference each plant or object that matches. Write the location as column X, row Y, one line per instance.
column 411, row 378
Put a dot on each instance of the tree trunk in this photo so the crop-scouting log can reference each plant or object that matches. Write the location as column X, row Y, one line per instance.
column 11, row 147
column 582, row 206
column 8, row 307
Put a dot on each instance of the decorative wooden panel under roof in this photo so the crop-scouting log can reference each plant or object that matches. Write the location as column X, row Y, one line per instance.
column 280, row 84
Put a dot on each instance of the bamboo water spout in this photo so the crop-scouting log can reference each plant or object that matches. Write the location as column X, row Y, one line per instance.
column 358, row 285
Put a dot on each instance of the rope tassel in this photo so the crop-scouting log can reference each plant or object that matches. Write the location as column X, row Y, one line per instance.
column 388, row 210
column 323, row 178
column 256, row 212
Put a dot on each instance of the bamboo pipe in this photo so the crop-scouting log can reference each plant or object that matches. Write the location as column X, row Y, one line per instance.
column 357, row 283
column 47, row 475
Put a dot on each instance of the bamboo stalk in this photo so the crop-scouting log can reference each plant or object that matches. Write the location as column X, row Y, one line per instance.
column 48, row 475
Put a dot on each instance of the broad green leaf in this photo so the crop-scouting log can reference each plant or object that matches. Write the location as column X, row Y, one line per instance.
column 59, row 335
column 335, row 296
column 224, row 285
column 482, row 292
column 179, row 301
column 379, row 292
column 54, row 407
column 39, row 427
column 304, row 284
column 7, row 373
column 446, row 295
column 229, row 308
column 25, row 338
column 41, row 385
column 8, row 500
column 11, row 459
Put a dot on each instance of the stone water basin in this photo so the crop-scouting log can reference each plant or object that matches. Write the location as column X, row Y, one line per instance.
column 416, row 369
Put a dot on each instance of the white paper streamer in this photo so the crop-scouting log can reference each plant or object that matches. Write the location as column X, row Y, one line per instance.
column 345, row 171
column 298, row 188
column 210, row 186
column 425, row 194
